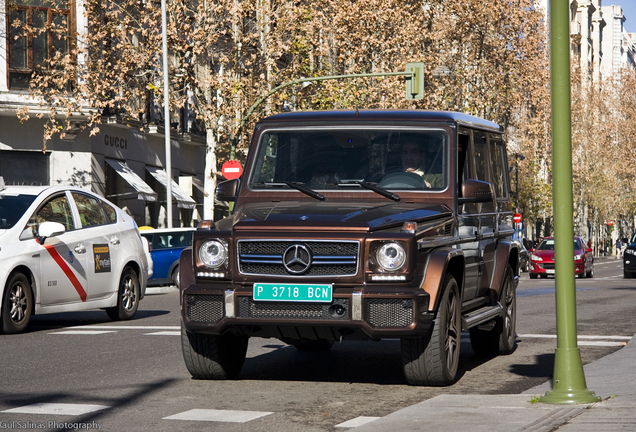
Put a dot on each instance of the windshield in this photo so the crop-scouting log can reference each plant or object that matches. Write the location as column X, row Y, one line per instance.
column 549, row 245
column 333, row 159
column 12, row 207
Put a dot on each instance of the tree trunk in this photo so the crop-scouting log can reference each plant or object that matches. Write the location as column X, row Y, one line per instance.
column 209, row 184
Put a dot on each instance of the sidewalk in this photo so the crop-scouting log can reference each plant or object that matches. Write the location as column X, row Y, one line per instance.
column 612, row 377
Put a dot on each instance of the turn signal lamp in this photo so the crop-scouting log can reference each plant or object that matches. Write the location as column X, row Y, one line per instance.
column 409, row 227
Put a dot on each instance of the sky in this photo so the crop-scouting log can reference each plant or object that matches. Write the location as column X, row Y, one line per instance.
column 629, row 11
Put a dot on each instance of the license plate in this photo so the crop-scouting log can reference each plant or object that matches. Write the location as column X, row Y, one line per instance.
column 549, row 271
column 321, row 293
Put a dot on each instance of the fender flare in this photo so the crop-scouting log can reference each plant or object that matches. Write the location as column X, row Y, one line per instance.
column 186, row 275
column 506, row 251
column 440, row 262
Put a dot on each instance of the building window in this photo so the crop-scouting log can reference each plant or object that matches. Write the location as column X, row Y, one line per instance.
column 37, row 30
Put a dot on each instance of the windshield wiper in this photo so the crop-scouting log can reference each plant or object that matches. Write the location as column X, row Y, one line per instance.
column 373, row 187
column 298, row 186
column 312, row 193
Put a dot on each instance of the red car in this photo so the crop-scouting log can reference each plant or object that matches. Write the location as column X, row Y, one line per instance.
column 542, row 259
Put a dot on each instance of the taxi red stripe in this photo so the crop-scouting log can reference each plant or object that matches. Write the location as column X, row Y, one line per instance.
column 67, row 270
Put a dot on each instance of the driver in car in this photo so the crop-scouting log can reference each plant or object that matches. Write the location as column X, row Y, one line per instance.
column 414, row 160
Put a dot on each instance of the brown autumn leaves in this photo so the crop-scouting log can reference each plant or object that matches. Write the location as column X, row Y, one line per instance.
column 483, row 57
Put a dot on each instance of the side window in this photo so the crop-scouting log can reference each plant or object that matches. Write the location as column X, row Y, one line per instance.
column 480, row 155
column 90, row 210
column 161, row 241
column 499, row 177
column 111, row 214
column 463, row 168
column 265, row 170
column 56, row 209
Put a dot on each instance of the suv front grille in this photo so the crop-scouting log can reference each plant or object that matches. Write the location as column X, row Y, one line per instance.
column 317, row 258
column 205, row 308
column 389, row 312
column 289, row 310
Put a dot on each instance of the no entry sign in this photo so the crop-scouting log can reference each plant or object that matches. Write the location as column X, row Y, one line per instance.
column 232, row 169
column 516, row 218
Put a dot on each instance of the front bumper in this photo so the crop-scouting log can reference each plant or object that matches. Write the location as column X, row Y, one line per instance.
column 547, row 268
column 353, row 313
column 542, row 268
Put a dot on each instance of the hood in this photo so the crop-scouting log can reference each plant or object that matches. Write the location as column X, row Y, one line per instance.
column 333, row 215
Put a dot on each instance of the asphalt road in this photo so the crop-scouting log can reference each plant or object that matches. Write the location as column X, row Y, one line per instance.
column 73, row 371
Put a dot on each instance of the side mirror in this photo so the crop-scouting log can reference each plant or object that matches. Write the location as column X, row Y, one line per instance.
column 49, row 229
column 227, row 190
column 475, row 191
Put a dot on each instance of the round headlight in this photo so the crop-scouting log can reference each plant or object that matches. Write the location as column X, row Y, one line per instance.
column 391, row 256
column 213, row 253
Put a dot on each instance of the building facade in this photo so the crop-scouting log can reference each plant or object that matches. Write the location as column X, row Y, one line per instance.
column 124, row 162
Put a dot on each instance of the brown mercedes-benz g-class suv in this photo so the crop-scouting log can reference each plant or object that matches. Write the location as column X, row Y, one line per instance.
column 358, row 225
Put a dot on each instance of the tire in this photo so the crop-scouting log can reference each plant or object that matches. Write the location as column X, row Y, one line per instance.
column 17, row 304
column 544, row 276
column 213, row 357
column 501, row 339
column 533, row 275
column 590, row 274
column 432, row 360
column 127, row 297
column 312, row 345
column 581, row 275
column 175, row 276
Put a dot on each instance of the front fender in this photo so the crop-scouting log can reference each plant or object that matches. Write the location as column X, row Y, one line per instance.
column 440, row 262
column 186, row 269
column 507, row 253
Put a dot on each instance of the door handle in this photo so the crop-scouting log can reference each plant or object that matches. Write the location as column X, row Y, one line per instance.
column 80, row 249
column 114, row 240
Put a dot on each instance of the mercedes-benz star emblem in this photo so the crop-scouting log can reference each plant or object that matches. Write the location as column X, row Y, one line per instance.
column 297, row 259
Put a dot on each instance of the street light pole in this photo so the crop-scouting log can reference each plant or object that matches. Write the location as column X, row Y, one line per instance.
column 569, row 385
column 166, row 112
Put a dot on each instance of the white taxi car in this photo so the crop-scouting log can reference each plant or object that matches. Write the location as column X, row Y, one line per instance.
column 65, row 249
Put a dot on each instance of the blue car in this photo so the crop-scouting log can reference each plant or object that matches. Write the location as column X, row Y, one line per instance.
column 165, row 248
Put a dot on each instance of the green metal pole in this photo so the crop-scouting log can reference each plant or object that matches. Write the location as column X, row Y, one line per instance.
column 569, row 385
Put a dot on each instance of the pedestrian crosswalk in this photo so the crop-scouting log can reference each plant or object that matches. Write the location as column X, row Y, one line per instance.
column 64, row 411
column 95, row 330
column 56, row 409
column 214, row 415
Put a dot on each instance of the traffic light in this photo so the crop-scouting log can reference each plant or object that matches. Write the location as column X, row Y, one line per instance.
column 415, row 83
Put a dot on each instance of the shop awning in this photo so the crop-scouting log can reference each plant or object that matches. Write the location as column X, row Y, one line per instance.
column 144, row 192
column 182, row 198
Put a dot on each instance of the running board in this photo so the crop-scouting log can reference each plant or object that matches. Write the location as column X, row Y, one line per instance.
column 480, row 316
